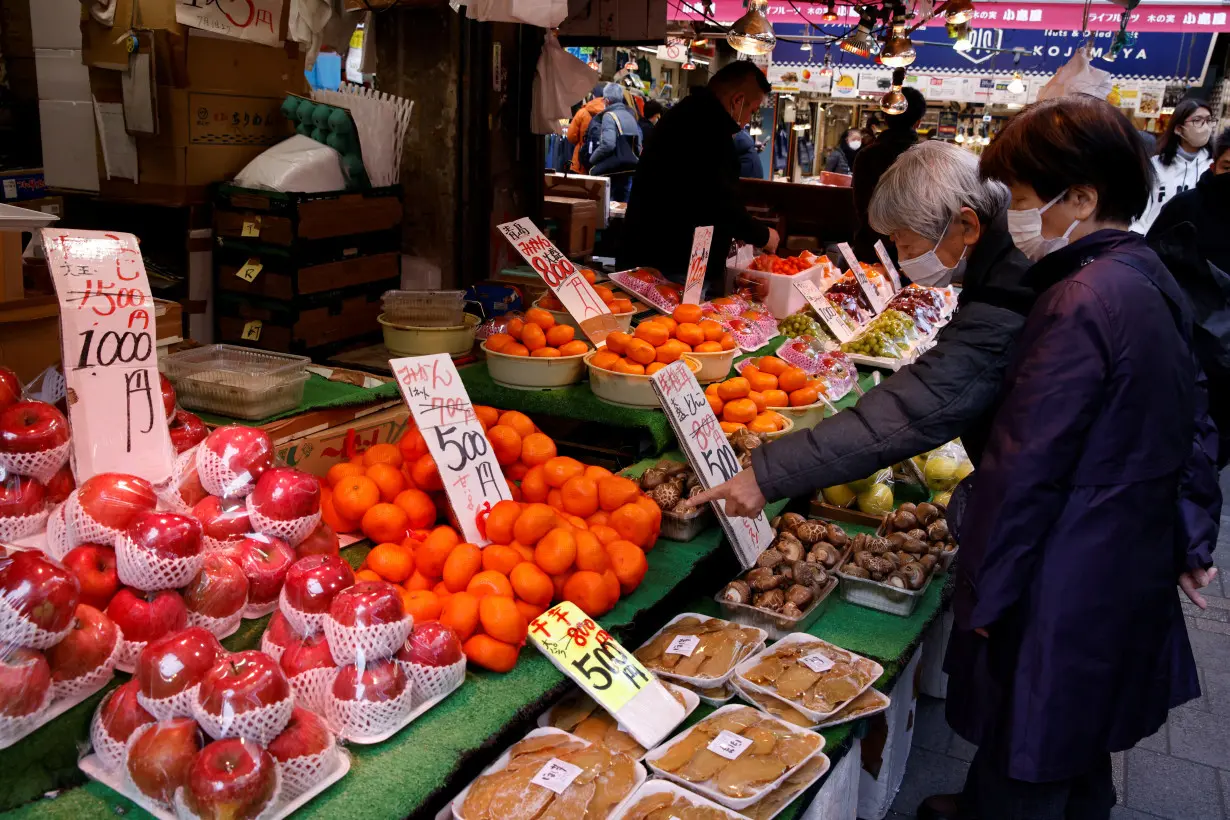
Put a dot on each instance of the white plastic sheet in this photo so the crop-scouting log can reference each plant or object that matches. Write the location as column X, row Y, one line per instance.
column 546, row 14
column 299, row 164
column 1077, row 76
column 560, row 81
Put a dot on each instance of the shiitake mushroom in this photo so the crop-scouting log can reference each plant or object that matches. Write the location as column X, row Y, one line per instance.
column 928, row 562
column 825, row 554
column 791, row 611
column 652, row 477
column 762, row 578
column 809, row 574
column 800, row 596
column 785, row 571
column 914, row 574
column 896, row 579
column 903, row 521
column 791, row 549
column 879, row 546
column 773, row 599
column 836, row 536
column 810, row 532
column 791, row 520
column 769, row 559
column 938, row 530
column 926, row 513
column 855, row 571
column 918, row 534
column 737, row 592
column 909, row 507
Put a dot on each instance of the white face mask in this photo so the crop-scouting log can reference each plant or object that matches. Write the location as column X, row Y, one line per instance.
column 854, row 144
column 1026, row 229
column 929, row 271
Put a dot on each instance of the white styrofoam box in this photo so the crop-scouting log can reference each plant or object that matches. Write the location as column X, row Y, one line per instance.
column 838, row 797
column 61, row 74
column 70, row 155
column 776, row 290
column 876, row 792
column 933, row 681
column 55, row 23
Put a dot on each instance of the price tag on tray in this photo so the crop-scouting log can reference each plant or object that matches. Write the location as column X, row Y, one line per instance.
column 566, row 282
column 856, row 268
column 702, row 440
column 442, row 410
column 887, row 262
column 608, row 673
column 698, row 263
column 835, row 320
column 107, row 336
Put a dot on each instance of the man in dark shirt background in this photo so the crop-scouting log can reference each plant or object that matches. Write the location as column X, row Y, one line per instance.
column 874, row 159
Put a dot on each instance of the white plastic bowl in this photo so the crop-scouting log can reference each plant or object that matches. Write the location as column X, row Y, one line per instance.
column 530, row 373
column 405, row 340
column 563, row 317
column 627, row 389
column 805, row 416
column 714, row 367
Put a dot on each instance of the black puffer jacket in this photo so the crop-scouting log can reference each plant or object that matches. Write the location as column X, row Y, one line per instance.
column 951, row 391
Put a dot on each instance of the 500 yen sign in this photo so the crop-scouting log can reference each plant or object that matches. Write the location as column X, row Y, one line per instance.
column 608, row 659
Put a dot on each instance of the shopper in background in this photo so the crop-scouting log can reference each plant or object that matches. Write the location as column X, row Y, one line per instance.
column 619, row 147
column 875, row 159
column 841, row 158
column 693, row 156
column 1207, row 207
column 749, row 155
column 579, row 127
column 653, row 113
column 1182, row 156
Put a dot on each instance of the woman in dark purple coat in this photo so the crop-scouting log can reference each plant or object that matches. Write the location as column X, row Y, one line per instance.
column 1095, row 494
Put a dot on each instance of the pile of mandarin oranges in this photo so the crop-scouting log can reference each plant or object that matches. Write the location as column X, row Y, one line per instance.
column 658, row 341
column 747, row 400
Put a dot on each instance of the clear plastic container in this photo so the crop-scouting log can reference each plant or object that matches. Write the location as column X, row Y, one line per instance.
column 237, row 382
column 424, row 308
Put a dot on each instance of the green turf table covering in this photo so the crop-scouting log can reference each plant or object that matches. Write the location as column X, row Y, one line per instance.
column 319, row 393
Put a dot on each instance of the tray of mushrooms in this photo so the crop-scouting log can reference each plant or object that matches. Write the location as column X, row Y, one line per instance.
column 787, row 588
column 669, row 484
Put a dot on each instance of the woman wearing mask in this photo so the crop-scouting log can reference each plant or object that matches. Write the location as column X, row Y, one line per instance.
column 841, row 158
column 1182, row 156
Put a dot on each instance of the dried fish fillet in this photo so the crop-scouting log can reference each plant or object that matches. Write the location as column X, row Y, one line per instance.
column 763, row 739
column 677, row 756
column 749, row 774
column 646, row 806
column 720, row 645
column 790, row 788
column 703, row 766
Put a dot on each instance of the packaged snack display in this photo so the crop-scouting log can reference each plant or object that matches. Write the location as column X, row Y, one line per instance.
column 698, row 650
column 652, row 287
column 813, row 676
column 663, row 799
column 578, row 714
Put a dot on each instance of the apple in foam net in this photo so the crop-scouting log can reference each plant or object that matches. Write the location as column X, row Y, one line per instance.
column 279, row 632
column 177, row 662
column 223, row 519
column 374, row 681
column 231, row 779
column 305, row 654
column 168, row 395
column 242, row 682
column 122, row 714
column 87, row 646
column 285, row 494
column 187, row 431
column 191, row 490
column 166, row 535
column 20, row 496
column 219, row 590
column 322, row 541
column 25, row 678
column 369, row 603
column 431, row 644
column 305, row 735
column 246, row 451
column 312, row 582
column 116, row 500
column 32, row 427
column 10, row 388
column 94, row 567
column 160, row 759
column 40, row 589
column 60, row 485
column 147, row 616
column 265, row 560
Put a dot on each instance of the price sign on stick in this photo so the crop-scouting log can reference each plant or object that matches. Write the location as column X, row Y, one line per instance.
column 887, row 262
column 835, row 320
column 566, row 282
column 702, row 440
column 856, row 267
column 442, row 410
column 698, row 263
column 608, row 673
column 107, row 337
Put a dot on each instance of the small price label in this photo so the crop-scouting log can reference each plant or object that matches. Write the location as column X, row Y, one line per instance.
column 683, row 645
column 817, row 662
column 835, row 320
column 566, row 282
column 887, row 262
column 252, row 330
column 442, row 410
column 729, row 745
column 251, row 227
column 698, row 263
column 556, row 775
column 250, row 269
column 856, row 267
column 710, row 454
column 10, row 189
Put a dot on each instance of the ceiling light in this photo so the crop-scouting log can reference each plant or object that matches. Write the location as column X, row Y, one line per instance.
column 959, row 11
column 960, row 135
column 826, row 70
column 1017, row 86
column 751, row 33
column 960, row 33
column 898, row 51
column 830, row 14
column 859, row 42
column 894, row 102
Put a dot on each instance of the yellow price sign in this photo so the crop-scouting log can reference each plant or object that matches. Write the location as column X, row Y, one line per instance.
column 250, row 269
column 252, row 330
column 251, row 227
column 584, row 651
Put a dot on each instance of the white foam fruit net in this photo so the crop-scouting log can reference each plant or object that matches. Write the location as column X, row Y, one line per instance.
column 22, row 526
column 220, row 627
column 292, row 530
column 359, row 720
column 91, row 681
column 305, row 623
column 211, row 544
column 129, row 652
column 84, row 527
column 40, row 466
column 302, row 773
column 148, row 571
column 178, row 705
column 13, row 729
column 312, row 688
column 271, row 810
column 347, row 643
column 168, row 491
column 270, row 648
column 261, row 724
column 110, row 751
column 218, row 478
column 253, row 611
column 60, row 539
column 17, row 630
column 431, row 682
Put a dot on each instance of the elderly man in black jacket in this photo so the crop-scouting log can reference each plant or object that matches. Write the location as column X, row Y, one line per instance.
column 938, row 212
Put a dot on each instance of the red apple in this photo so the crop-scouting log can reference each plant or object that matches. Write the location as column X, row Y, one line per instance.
column 160, row 759
column 246, row 451
column 60, row 485
column 40, row 589
column 122, row 714
column 190, row 489
column 115, row 500
column 231, row 779
column 177, row 662
column 147, row 616
column 86, row 647
column 10, row 388
column 431, row 644
column 312, row 582
column 166, row 535
column 305, row 735
column 24, row 680
column 242, row 682
column 219, row 590
column 374, row 681
column 187, row 431
column 20, row 496
column 279, row 632
column 94, row 566
column 307, row 653
column 322, row 541
column 284, row 494
column 367, row 604
column 265, row 560
column 168, row 395
column 223, row 520
column 32, row 427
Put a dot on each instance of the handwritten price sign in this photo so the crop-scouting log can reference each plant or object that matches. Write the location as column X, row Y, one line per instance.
column 608, row 673
column 698, row 263
column 442, row 410
column 566, row 282
column 107, row 337
column 856, row 267
column 255, row 20
column 702, row 440
column 887, row 262
column 835, row 320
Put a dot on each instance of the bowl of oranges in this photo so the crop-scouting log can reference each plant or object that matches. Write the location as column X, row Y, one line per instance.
column 710, row 344
column 768, row 384
column 536, row 353
column 625, row 381
column 622, row 307
column 411, row 340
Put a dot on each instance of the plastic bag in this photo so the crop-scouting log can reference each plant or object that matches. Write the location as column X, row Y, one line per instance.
column 546, row 14
column 299, row 165
column 1077, row 76
column 944, row 468
column 560, row 79
column 891, row 335
column 655, row 289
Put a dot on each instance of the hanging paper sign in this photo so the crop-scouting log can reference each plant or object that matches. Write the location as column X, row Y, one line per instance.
column 698, row 263
column 250, row 270
column 608, row 673
column 442, row 410
column 856, row 268
column 566, row 282
column 710, row 454
column 252, row 330
column 251, row 227
column 835, row 320
column 107, row 337
column 887, row 262
column 255, row 20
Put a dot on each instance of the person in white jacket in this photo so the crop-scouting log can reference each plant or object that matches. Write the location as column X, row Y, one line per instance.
column 1182, row 156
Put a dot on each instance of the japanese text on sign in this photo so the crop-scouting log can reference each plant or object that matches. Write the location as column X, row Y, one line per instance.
column 698, row 263
column 556, row 775
column 454, row 436
column 887, row 262
column 255, row 20
column 729, row 745
column 835, row 320
column 702, row 440
column 108, row 336
column 566, row 282
column 817, row 662
column 860, row 276
column 252, row 330
column 683, row 645
column 250, row 270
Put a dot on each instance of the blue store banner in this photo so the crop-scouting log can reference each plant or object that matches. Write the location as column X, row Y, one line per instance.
column 1153, row 55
